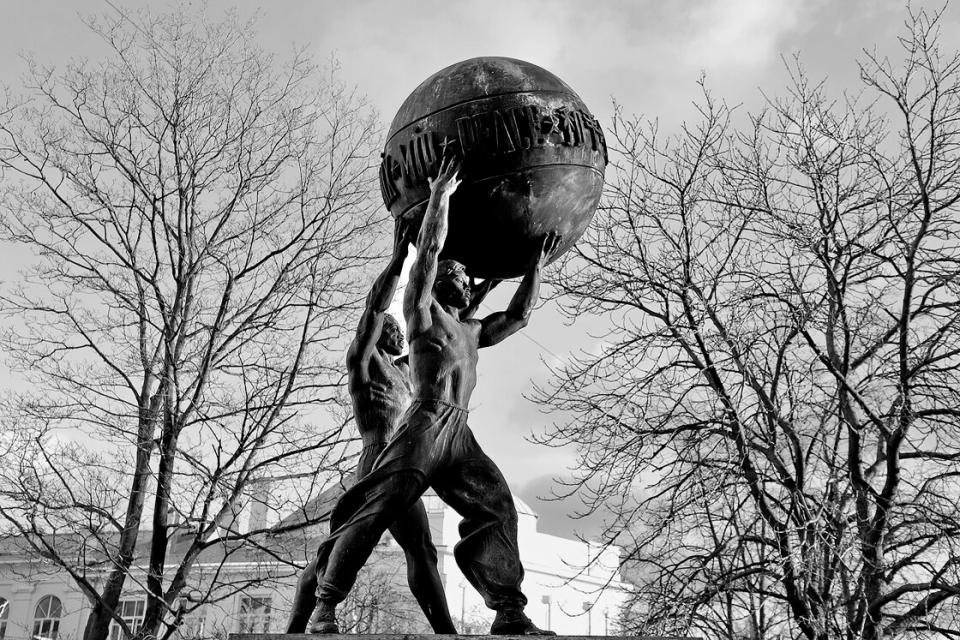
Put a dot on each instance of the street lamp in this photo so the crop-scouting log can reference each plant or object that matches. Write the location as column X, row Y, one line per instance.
column 586, row 608
column 546, row 600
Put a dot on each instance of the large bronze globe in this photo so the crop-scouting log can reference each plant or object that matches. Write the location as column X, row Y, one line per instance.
column 533, row 160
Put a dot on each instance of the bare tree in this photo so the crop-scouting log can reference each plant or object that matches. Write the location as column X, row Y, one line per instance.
column 773, row 413
column 381, row 602
column 200, row 214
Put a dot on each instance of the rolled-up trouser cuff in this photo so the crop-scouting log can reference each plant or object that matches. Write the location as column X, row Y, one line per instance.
column 329, row 593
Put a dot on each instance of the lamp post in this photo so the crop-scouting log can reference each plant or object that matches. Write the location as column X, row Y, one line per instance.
column 546, row 600
column 463, row 604
column 586, row 608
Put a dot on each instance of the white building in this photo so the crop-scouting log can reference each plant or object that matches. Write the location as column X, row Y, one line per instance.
column 573, row 587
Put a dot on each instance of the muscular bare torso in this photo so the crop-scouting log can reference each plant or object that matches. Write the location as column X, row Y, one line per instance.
column 381, row 398
column 443, row 358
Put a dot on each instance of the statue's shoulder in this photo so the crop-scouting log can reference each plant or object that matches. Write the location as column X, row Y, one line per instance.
column 439, row 313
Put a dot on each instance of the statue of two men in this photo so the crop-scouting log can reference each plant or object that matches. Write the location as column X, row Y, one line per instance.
column 433, row 446
column 379, row 384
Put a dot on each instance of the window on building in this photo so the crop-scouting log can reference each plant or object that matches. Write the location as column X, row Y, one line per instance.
column 132, row 611
column 46, row 618
column 4, row 615
column 254, row 614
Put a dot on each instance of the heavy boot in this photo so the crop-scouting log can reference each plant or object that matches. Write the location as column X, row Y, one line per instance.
column 324, row 619
column 513, row 622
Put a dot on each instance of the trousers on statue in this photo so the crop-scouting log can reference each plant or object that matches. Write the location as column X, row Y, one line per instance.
column 435, row 448
column 411, row 530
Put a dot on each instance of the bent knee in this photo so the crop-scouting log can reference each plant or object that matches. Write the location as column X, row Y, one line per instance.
column 308, row 579
column 420, row 548
column 501, row 510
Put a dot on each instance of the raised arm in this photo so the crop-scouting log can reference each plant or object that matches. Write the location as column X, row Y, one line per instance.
column 433, row 233
column 477, row 293
column 498, row 326
column 381, row 293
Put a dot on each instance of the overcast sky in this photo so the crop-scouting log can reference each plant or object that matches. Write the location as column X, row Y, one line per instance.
column 646, row 54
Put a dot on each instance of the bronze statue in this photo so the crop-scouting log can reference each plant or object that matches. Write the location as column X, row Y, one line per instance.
column 379, row 385
column 433, row 445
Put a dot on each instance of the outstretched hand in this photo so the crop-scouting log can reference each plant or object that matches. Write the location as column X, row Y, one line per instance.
column 403, row 233
column 548, row 247
column 447, row 180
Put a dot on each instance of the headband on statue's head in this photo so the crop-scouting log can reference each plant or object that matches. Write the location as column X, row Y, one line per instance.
column 450, row 268
column 388, row 318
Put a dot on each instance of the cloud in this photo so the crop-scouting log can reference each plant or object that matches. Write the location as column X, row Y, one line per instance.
column 739, row 34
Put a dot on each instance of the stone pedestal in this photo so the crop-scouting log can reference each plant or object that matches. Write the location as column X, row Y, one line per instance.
column 427, row 636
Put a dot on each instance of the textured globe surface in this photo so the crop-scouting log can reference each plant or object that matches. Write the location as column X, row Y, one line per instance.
column 533, row 160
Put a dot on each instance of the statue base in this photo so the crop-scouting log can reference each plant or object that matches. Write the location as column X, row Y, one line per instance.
column 426, row 636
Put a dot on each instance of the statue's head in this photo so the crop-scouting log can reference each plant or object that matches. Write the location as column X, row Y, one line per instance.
column 391, row 336
column 452, row 286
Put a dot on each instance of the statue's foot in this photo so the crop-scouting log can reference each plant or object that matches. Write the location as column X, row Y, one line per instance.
column 324, row 628
column 513, row 622
column 323, row 620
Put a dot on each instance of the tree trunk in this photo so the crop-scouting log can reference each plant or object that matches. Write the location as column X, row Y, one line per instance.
column 156, row 604
column 98, row 623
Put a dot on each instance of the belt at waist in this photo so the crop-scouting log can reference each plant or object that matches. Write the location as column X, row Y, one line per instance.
column 439, row 401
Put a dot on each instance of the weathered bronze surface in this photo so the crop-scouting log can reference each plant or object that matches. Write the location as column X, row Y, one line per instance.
column 533, row 160
column 433, row 445
column 379, row 386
